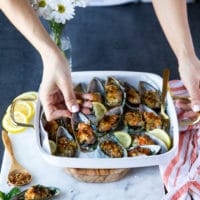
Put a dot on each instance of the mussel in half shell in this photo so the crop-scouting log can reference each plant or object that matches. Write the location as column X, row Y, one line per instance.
column 114, row 93
column 37, row 192
column 143, row 150
column 66, row 143
column 111, row 121
column 134, row 121
column 150, row 96
column 110, row 147
column 84, row 131
column 133, row 99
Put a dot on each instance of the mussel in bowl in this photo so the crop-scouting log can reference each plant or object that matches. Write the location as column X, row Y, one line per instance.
column 133, row 98
column 111, row 121
column 66, row 143
column 110, row 147
column 114, row 93
column 150, row 95
column 84, row 132
column 143, row 150
column 134, row 121
column 38, row 192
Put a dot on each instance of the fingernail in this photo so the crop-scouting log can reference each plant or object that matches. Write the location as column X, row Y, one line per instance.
column 75, row 108
column 196, row 108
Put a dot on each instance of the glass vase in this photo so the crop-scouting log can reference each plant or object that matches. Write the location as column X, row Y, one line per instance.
column 59, row 35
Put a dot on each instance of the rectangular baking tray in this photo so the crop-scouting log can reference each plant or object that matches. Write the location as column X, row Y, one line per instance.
column 112, row 163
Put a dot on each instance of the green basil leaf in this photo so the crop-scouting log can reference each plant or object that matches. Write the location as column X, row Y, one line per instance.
column 2, row 196
column 13, row 192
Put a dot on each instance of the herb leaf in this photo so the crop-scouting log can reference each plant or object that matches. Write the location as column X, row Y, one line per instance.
column 12, row 193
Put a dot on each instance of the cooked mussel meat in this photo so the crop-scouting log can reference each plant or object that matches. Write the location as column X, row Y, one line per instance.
column 150, row 96
column 134, row 120
column 84, row 131
column 110, row 121
column 37, row 192
column 114, row 93
column 66, row 143
column 96, row 90
column 133, row 98
column 141, row 139
column 85, row 134
column 112, row 149
column 152, row 121
column 143, row 150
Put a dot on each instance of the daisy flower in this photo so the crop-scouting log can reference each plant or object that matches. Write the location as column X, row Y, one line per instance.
column 62, row 10
column 44, row 9
column 80, row 3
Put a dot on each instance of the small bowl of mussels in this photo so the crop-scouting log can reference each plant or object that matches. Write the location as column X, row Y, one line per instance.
column 120, row 105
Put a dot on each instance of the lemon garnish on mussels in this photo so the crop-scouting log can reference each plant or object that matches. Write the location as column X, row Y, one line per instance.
column 52, row 146
column 99, row 110
column 10, row 126
column 162, row 135
column 124, row 138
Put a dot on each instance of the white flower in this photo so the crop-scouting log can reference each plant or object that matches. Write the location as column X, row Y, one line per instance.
column 81, row 3
column 44, row 9
column 62, row 10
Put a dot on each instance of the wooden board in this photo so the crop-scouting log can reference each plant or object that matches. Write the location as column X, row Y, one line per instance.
column 97, row 175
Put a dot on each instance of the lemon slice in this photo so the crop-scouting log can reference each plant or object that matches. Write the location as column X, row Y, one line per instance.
column 124, row 138
column 30, row 94
column 162, row 135
column 12, row 128
column 24, row 107
column 99, row 110
column 52, row 146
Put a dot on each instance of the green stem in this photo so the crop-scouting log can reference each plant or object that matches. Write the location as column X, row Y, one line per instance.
column 57, row 29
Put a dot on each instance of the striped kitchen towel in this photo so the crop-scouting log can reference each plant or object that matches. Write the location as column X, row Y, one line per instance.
column 181, row 174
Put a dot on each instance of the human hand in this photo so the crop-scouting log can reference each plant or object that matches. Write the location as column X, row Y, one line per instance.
column 189, row 70
column 56, row 90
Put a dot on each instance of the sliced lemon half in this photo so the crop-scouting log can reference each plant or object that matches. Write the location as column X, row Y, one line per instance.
column 162, row 135
column 99, row 110
column 26, row 95
column 10, row 126
column 124, row 138
column 24, row 107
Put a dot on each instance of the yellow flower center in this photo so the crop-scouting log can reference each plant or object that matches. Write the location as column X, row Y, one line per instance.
column 61, row 8
column 42, row 3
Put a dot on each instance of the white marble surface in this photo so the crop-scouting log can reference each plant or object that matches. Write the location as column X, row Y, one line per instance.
column 139, row 184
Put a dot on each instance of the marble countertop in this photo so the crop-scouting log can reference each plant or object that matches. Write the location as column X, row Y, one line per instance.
column 138, row 184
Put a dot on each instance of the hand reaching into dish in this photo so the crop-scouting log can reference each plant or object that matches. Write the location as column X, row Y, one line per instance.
column 56, row 90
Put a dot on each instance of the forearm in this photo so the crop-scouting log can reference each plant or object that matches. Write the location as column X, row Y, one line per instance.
column 24, row 18
column 172, row 15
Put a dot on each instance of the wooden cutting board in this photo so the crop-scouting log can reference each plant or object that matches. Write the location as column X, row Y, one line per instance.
column 97, row 175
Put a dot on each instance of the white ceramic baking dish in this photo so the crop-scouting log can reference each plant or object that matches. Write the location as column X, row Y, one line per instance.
column 102, row 163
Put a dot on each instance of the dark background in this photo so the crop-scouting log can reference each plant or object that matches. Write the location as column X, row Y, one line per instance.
column 126, row 37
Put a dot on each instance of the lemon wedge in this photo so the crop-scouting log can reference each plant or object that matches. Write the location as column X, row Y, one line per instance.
column 99, row 110
column 162, row 135
column 124, row 138
column 52, row 146
column 10, row 126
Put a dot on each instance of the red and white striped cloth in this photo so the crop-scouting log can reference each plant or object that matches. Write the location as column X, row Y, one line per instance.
column 181, row 174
